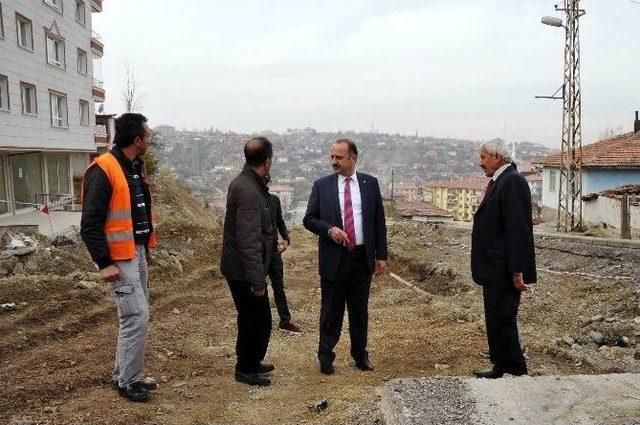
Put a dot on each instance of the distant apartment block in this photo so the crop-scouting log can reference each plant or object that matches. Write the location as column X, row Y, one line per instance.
column 48, row 85
column 459, row 197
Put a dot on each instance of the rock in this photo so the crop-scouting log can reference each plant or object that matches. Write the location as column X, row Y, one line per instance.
column 597, row 318
column 319, row 405
column 176, row 311
column 636, row 320
column 50, row 409
column 607, row 352
column 597, row 337
column 18, row 269
column 636, row 355
column 62, row 240
column 24, row 250
column 3, row 271
column 568, row 340
column 611, row 319
column 584, row 321
column 619, row 309
column 89, row 286
column 8, row 307
column 441, row 366
column 31, row 267
column 623, row 342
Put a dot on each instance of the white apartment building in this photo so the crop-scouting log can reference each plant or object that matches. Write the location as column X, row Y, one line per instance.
column 48, row 53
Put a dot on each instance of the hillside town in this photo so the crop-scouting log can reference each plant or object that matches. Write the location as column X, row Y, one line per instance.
column 149, row 229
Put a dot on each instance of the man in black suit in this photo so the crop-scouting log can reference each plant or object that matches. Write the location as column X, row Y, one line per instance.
column 345, row 210
column 503, row 257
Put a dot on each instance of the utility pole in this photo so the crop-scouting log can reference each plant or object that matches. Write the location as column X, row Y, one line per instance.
column 570, row 188
column 569, row 216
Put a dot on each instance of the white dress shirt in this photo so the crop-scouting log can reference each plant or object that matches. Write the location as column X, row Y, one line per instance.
column 356, row 203
column 500, row 171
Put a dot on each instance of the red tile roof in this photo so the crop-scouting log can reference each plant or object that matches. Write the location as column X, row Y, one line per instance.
column 622, row 151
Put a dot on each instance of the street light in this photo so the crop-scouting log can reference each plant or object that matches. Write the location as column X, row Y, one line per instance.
column 552, row 21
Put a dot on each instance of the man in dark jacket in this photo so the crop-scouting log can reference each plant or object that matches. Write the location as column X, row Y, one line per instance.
column 117, row 229
column 276, row 268
column 246, row 254
column 503, row 257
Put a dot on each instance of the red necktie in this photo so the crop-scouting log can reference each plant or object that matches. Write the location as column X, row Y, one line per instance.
column 488, row 190
column 349, row 226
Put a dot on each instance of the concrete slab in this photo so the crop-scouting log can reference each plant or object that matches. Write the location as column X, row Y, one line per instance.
column 61, row 221
column 578, row 399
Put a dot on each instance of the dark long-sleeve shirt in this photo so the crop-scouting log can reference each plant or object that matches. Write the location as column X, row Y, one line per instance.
column 279, row 226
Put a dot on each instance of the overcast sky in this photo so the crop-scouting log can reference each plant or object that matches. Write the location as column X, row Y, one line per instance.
column 457, row 68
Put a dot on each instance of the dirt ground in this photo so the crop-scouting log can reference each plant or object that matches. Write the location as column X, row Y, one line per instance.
column 58, row 344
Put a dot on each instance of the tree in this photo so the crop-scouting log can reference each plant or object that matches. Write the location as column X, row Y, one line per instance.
column 130, row 90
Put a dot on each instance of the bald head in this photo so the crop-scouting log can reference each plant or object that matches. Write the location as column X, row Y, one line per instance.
column 257, row 151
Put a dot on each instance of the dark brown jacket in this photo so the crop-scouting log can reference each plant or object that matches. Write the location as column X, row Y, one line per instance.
column 248, row 229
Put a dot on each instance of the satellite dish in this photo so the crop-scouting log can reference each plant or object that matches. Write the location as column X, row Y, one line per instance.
column 101, row 108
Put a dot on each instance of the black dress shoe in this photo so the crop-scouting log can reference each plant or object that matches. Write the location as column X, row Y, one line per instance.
column 252, row 379
column 492, row 373
column 327, row 369
column 364, row 365
column 134, row 392
column 517, row 372
column 265, row 368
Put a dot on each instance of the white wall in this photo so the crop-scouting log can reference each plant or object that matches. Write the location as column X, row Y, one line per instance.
column 608, row 211
column 18, row 131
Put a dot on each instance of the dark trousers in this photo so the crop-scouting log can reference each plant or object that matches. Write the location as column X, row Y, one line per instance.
column 276, row 275
column 501, row 314
column 254, row 326
column 351, row 287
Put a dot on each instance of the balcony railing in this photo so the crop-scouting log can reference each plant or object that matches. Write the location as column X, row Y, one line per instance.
column 96, row 5
column 97, row 47
column 98, row 83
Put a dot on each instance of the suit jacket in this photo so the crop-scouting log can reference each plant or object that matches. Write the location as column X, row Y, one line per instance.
column 502, row 239
column 323, row 212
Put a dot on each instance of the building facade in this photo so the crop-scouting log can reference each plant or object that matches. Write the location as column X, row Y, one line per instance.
column 48, row 53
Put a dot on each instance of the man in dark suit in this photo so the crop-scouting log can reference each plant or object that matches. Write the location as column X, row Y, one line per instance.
column 503, row 257
column 345, row 210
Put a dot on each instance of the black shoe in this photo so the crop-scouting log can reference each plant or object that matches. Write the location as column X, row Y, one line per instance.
column 364, row 365
column 517, row 372
column 492, row 373
column 148, row 384
column 265, row 368
column 252, row 379
column 134, row 392
column 327, row 369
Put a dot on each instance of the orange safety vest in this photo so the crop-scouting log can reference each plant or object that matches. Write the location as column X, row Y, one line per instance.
column 118, row 228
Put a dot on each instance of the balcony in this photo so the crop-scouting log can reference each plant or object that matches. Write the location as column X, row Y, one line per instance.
column 99, row 95
column 96, row 6
column 100, row 135
column 96, row 45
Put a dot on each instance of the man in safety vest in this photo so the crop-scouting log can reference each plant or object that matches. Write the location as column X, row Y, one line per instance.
column 118, row 231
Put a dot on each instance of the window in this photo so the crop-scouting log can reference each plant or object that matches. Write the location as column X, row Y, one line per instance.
column 82, row 61
column 55, row 50
column 26, row 172
column 552, row 180
column 25, row 32
column 4, row 93
column 84, row 112
column 59, row 117
column 58, row 174
column 81, row 14
column 29, row 99
column 1, row 30
column 56, row 4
